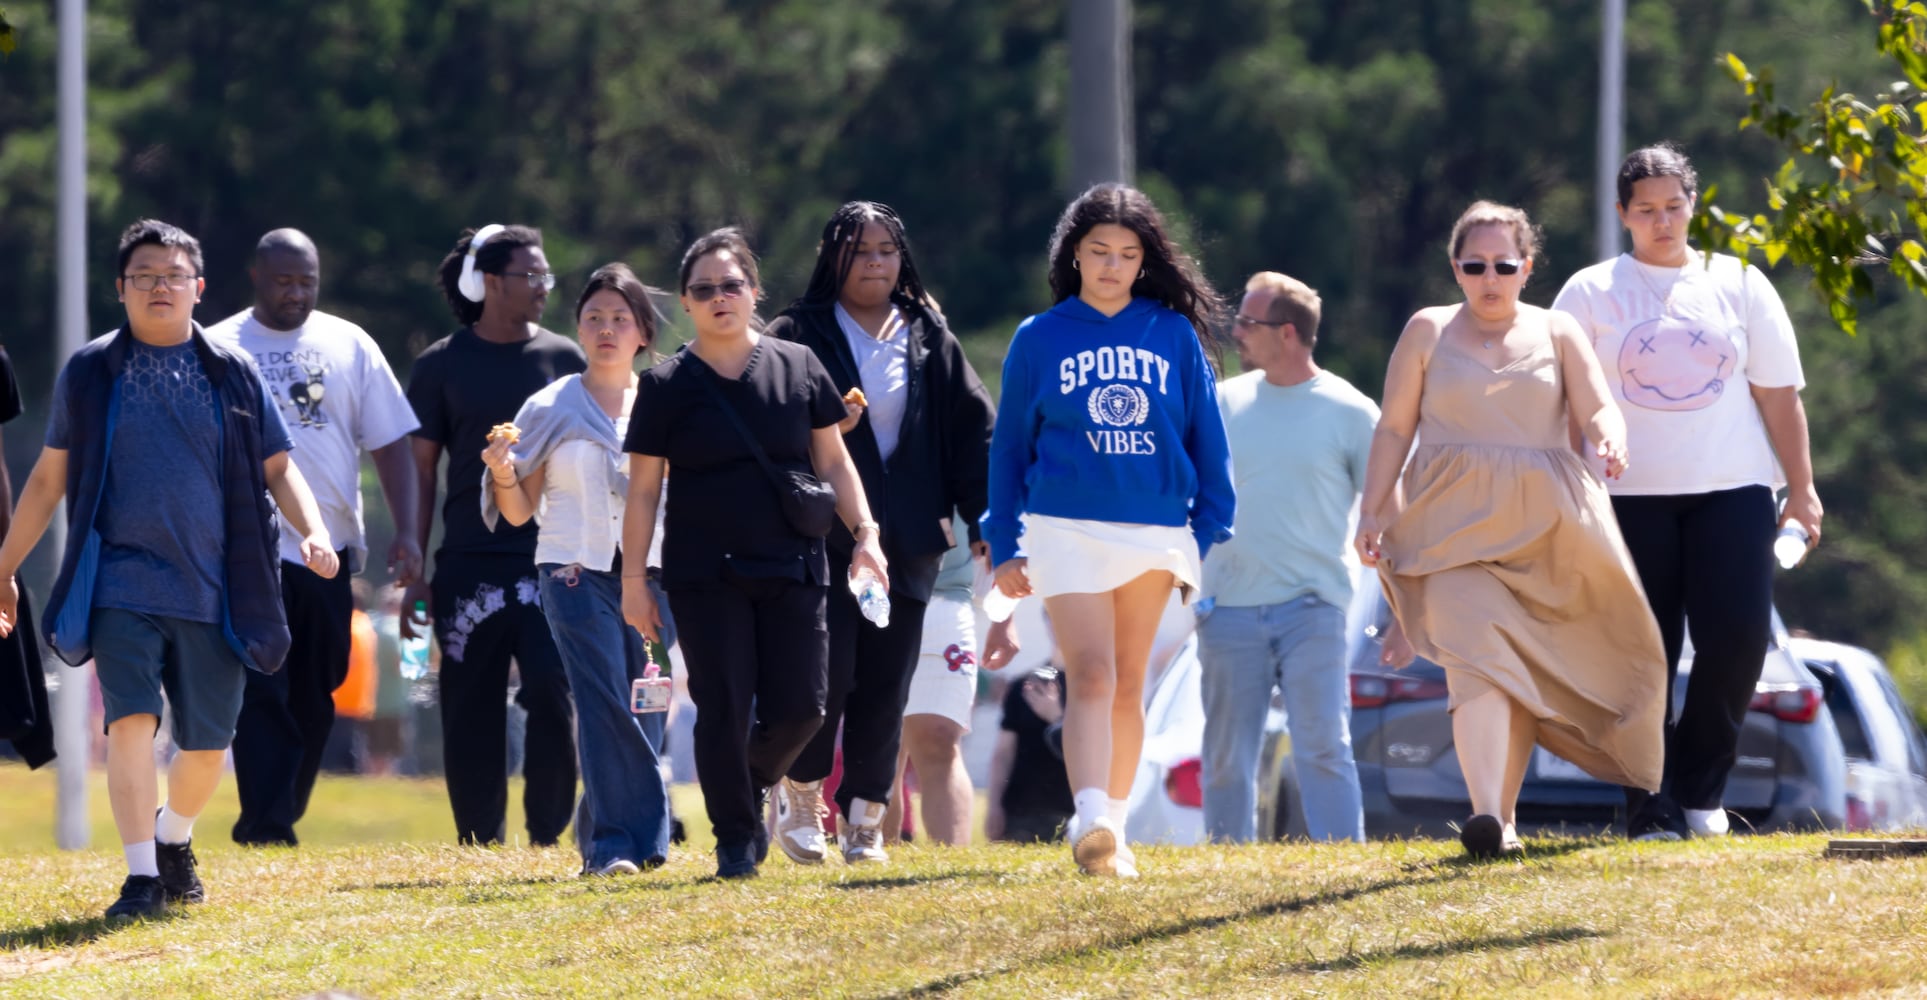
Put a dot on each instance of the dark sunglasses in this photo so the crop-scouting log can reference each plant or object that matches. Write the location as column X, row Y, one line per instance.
column 1475, row 268
column 733, row 288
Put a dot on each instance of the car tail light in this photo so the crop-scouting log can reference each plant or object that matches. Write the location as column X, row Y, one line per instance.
column 1184, row 783
column 1788, row 704
column 1379, row 690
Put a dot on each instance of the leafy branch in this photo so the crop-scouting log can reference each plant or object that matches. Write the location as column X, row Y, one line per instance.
column 1852, row 194
column 6, row 35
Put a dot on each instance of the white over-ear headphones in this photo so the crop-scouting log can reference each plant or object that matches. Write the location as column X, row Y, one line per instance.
column 470, row 284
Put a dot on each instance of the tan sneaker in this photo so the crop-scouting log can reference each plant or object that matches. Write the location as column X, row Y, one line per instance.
column 799, row 821
column 1095, row 847
column 862, row 834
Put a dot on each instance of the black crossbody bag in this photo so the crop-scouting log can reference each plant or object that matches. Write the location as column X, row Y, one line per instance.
column 809, row 503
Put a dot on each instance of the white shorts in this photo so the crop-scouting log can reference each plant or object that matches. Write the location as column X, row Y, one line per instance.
column 1095, row 557
column 945, row 682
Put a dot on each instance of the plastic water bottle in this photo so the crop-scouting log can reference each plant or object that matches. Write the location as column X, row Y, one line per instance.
column 997, row 605
column 871, row 598
column 1790, row 545
column 414, row 652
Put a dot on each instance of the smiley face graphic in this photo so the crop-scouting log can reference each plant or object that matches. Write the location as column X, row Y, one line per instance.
column 1675, row 364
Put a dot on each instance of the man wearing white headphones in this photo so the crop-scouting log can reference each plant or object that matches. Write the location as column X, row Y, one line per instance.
column 482, row 596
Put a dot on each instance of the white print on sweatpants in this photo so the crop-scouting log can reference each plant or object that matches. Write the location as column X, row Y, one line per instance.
column 473, row 611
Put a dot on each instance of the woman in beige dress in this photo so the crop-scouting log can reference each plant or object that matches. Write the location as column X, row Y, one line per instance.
column 1504, row 564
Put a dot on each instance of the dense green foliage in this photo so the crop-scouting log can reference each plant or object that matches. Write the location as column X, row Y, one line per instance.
column 1333, row 140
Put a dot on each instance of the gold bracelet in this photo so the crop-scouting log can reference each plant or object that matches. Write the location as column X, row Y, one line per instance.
column 872, row 525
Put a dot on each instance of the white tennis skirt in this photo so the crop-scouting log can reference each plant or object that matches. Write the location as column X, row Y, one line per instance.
column 1094, row 557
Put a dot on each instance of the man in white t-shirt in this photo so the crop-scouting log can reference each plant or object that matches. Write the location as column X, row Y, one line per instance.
column 338, row 399
column 1278, row 590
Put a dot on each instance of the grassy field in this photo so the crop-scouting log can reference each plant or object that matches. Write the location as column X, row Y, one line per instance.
column 375, row 904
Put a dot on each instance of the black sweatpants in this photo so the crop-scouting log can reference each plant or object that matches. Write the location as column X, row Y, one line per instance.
column 487, row 613
column 286, row 716
column 1706, row 561
column 758, row 658
column 870, row 671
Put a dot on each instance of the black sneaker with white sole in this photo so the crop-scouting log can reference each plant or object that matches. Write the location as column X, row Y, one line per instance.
column 141, row 898
column 178, row 877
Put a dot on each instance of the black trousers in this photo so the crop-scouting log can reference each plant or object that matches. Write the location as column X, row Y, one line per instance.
column 870, row 671
column 758, row 658
column 487, row 613
column 1706, row 562
column 286, row 716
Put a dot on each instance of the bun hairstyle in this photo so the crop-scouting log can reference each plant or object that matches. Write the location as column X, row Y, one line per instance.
column 1171, row 277
column 477, row 252
column 618, row 278
column 1658, row 160
column 1525, row 235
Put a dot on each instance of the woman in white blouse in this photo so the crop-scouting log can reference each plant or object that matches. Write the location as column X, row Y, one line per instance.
column 562, row 463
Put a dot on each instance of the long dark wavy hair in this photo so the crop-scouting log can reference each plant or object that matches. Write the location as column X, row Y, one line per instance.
column 491, row 258
column 836, row 255
column 1170, row 277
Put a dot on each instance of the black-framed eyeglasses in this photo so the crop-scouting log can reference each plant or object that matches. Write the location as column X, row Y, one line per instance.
column 703, row 292
column 537, row 279
column 1506, row 267
column 1247, row 322
column 148, row 282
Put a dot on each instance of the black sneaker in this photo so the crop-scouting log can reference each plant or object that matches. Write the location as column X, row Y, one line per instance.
column 759, row 841
column 1483, row 837
column 736, row 861
column 1658, row 819
column 178, row 877
column 141, row 898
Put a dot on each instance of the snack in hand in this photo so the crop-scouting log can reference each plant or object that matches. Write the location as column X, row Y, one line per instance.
column 508, row 431
column 855, row 397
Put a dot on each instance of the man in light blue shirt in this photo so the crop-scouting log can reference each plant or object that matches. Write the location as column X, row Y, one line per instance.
column 1299, row 441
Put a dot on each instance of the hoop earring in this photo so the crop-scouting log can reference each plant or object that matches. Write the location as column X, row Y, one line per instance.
column 1075, row 265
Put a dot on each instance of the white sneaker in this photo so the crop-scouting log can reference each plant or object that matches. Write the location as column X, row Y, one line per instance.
column 620, row 866
column 799, row 821
column 1707, row 822
column 1095, row 847
column 862, row 834
column 1126, row 861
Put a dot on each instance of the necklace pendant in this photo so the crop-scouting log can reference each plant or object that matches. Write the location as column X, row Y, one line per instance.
column 1488, row 345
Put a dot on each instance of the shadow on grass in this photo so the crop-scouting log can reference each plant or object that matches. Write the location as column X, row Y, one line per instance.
column 1176, row 928
column 1536, row 850
column 905, row 881
column 1554, row 935
column 67, row 933
column 448, row 883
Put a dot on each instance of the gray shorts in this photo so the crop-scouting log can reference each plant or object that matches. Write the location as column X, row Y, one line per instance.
column 138, row 656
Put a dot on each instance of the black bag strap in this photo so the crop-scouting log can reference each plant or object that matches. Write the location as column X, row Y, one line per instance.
column 736, row 421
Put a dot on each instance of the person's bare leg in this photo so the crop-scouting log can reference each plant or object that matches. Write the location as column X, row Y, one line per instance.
column 1524, row 735
column 133, row 788
column 191, row 780
column 935, row 746
column 1139, row 606
column 1084, row 626
column 1481, row 733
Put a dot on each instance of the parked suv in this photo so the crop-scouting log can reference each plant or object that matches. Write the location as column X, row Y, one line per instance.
column 1886, row 760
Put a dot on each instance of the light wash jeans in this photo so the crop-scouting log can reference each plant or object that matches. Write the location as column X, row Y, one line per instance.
column 624, row 812
column 1298, row 646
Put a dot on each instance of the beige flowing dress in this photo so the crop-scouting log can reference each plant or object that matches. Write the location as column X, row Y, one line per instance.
column 1506, row 567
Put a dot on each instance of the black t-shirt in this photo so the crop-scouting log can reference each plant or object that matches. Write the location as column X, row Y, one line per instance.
column 9, row 389
column 1038, row 783
column 461, row 387
column 723, row 509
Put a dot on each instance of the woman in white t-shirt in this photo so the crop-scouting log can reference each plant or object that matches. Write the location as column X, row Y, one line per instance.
column 1702, row 360
column 562, row 463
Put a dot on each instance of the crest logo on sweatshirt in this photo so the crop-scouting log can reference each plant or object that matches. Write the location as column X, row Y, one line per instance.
column 1119, row 405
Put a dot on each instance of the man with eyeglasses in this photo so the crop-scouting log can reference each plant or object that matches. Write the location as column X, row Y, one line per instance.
column 336, row 394
column 1278, row 590
column 482, row 597
column 166, row 447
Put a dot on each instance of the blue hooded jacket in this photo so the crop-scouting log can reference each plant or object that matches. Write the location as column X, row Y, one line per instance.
column 1108, row 418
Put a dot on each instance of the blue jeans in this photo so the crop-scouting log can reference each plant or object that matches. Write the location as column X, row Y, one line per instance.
column 625, row 805
column 1298, row 646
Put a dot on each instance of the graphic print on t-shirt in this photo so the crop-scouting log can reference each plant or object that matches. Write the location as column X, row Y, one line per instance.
column 298, row 381
column 1675, row 364
column 1115, row 404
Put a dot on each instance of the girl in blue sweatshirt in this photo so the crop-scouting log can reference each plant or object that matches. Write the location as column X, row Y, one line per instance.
column 1109, row 478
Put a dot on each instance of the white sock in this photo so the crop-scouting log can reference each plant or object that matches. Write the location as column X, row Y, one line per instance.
column 1118, row 810
column 172, row 827
column 140, row 859
column 1090, row 803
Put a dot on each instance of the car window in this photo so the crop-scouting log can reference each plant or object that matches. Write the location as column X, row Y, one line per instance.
column 1916, row 751
column 1846, row 715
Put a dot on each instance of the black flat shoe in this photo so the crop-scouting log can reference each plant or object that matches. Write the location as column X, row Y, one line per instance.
column 1483, row 836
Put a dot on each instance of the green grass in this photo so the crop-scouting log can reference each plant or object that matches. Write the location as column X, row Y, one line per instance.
column 1766, row 917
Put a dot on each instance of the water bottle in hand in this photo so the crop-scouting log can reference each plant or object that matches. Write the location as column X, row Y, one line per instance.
column 414, row 652
column 998, row 606
column 871, row 598
column 1790, row 545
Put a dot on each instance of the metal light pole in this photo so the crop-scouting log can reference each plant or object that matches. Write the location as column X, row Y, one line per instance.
column 1612, row 126
column 70, row 698
column 1101, row 136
